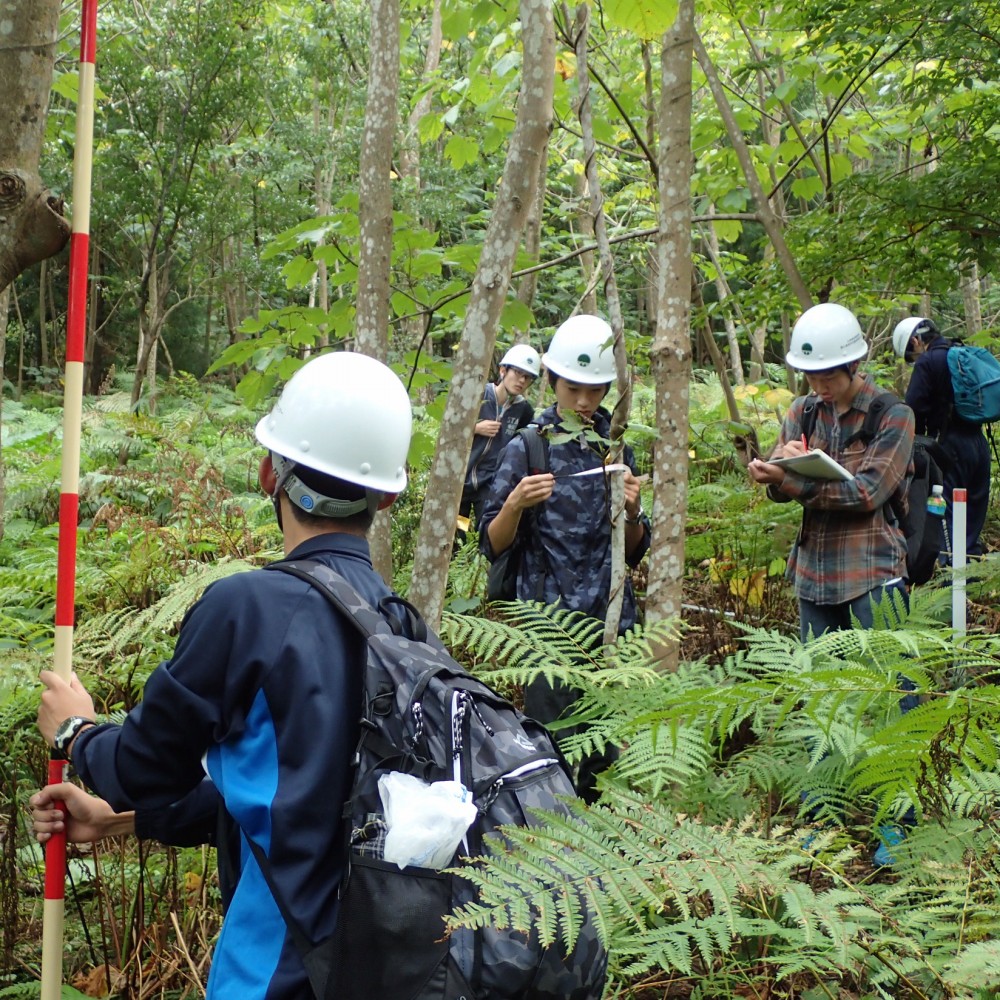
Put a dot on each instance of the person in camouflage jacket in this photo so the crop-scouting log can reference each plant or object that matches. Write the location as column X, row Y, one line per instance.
column 570, row 566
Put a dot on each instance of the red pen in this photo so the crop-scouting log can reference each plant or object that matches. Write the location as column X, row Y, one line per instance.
column 805, row 443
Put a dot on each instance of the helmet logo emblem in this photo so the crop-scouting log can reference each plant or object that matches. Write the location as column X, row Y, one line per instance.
column 807, row 348
column 583, row 360
column 306, row 502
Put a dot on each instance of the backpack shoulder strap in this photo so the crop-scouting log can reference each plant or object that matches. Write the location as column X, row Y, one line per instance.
column 346, row 599
column 808, row 421
column 536, row 449
column 873, row 418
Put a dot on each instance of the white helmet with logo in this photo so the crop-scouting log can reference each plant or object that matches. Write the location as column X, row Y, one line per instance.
column 523, row 357
column 826, row 336
column 345, row 415
column 582, row 351
column 907, row 329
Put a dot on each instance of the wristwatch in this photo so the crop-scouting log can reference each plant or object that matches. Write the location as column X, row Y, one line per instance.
column 637, row 518
column 67, row 730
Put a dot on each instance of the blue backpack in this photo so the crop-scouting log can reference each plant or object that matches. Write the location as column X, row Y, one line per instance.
column 975, row 379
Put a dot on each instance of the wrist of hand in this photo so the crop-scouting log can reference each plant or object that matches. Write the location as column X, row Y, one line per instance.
column 634, row 518
column 72, row 742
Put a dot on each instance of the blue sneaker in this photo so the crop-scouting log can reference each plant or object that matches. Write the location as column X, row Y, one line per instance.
column 891, row 836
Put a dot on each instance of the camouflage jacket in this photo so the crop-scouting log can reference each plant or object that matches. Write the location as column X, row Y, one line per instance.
column 574, row 526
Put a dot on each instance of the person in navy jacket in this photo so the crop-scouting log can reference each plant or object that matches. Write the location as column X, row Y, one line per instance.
column 258, row 706
column 966, row 459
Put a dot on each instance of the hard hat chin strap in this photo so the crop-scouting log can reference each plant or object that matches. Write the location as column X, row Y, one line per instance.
column 316, row 503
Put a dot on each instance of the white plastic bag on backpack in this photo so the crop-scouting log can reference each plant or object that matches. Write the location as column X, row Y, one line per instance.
column 426, row 820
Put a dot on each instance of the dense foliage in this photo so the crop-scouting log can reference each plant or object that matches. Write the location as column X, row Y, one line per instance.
column 731, row 855
column 732, row 849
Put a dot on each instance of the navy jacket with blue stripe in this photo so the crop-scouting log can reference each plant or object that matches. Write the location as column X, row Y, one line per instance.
column 262, row 695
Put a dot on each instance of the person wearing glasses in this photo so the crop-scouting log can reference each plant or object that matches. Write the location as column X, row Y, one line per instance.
column 504, row 411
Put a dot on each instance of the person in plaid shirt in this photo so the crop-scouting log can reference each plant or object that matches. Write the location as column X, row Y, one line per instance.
column 850, row 552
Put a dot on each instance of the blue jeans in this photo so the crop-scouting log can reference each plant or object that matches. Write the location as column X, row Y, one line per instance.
column 815, row 619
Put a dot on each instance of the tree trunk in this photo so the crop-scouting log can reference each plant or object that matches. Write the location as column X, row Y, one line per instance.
column 970, row 297
column 585, row 219
column 724, row 294
column 371, row 323
column 43, row 316
column 765, row 213
column 4, row 306
column 514, row 198
column 619, row 417
column 409, row 153
column 528, row 285
column 32, row 227
column 670, row 354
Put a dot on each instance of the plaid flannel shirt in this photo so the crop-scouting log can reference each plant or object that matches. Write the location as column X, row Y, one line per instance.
column 849, row 543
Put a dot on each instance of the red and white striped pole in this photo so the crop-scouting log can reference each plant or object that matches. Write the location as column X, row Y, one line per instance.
column 76, row 328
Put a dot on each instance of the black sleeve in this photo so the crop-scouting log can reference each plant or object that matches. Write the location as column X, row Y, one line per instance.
column 525, row 415
column 188, row 822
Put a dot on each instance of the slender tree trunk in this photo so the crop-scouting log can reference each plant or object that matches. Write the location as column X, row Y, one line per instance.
column 43, row 316
column 746, row 445
column 671, row 351
column 4, row 307
column 20, row 340
column 371, row 323
column 409, row 153
column 619, row 419
column 585, row 220
column 970, row 297
column 725, row 297
column 527, row 286
column 607, row 260
column 765, row 213
column 32, row 226
column 326, row 171
column 515, row 195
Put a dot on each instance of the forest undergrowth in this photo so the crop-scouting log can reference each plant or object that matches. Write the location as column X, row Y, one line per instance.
column 731, row 855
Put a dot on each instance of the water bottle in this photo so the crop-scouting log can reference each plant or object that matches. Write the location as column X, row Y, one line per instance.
column 936, row 503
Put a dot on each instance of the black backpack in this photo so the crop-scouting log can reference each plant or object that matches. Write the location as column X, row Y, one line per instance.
column 501, row 581
column 908, row 505
column 422, row 714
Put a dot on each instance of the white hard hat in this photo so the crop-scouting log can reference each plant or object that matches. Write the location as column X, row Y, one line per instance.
column 344, row 415
column 905, row 331
column 826, row 336
column 523, row 357
column 582, row 351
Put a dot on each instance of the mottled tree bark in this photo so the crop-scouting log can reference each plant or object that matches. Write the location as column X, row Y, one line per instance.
column 32, row 227
column 371, row 324
column 671, row 351
column 489, row 291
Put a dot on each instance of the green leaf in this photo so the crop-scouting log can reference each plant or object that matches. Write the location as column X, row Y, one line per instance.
column 808, row 187
column 298, row 272
column 516, row 315
column 421, row 449
column 728, row 231
column 461, row 151
column 647, row 18
column 430, row 127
